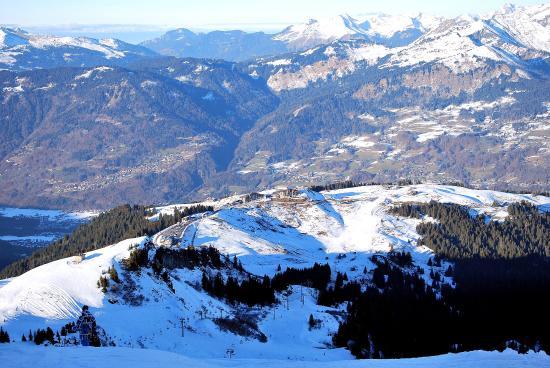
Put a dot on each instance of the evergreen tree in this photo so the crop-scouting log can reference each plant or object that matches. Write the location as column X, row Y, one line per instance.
column 378, row 278
column 113, row 274
column 205, row 282
column 311, row 322
column 4, row 336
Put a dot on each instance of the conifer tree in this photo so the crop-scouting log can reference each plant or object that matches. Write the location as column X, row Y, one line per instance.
column 4, row 336
column 311, row 322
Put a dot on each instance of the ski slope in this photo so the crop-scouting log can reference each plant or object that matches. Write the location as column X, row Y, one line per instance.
column 19, row 355
column 342, row 227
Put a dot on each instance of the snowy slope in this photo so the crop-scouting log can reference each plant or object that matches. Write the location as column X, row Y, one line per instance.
column 324, row 226
column 55, row 290
column 20, row 49
column 468, row 42
column 514, row 35
column 342, row 227
column 390, row 30
column 50, row 214
column 530, row 25
column 397, row 30
column 515, row 38
column 324, row 30
column 19, row 355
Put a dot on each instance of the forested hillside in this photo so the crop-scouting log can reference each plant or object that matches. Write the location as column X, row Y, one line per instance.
column 501, row 297
column 109, row 227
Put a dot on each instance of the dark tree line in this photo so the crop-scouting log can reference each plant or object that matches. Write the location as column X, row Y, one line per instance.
column 317, row 276
column 501, row 298
column 4, row 336
column 399, row 316
column 261, row 291
column 185, row 212
column 251, row 291
column 41, row 336
column 333, row 186
column 109, row 227
column 190, row 258
column 526, row 232
column 343, row 290
column 138, row 258
column 68, row 328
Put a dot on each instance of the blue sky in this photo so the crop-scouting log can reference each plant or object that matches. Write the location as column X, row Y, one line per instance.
column 206, row 14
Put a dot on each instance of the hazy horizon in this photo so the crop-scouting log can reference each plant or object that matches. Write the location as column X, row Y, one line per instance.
column 148, row 20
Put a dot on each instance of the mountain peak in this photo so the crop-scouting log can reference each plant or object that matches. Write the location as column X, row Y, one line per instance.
column 508, row 8
column 20, row 49
column 10, row 37
column 321, row 30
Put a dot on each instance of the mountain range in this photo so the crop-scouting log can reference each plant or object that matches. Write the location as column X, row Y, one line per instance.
column 351, row 191
column 20, row 50
column 91, row 123
column 391, row 31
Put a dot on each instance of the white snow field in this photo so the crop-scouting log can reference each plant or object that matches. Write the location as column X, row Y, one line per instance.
column 342, row 227
column 50, row 214
column 19, row 355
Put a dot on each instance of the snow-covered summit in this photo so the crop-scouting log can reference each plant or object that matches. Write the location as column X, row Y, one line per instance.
column 387, row 25
column 392, row 30
column 513, row 41
column 20, row 49
column 512, row 35
column 14, row 38
column 527, row 24
column 319, row 31
column 530, row 25
column 10, row 37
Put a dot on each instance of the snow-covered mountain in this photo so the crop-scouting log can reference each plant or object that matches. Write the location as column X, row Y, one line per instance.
column 511, row 35
column 341, row 227
column 527, row 26
column 381, row 112
column 386, row 26
column 20, row 50
column 389, row 30
column 228, row 45
column 530, row 25
column 515, row 36
column 319, row 31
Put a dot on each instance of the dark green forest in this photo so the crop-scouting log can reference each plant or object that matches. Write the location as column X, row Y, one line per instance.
column 123, row 222
column 501, row 298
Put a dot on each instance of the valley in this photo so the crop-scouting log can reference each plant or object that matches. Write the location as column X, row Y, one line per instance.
column 305, row 189
column 338, row 106
column 22, row 230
